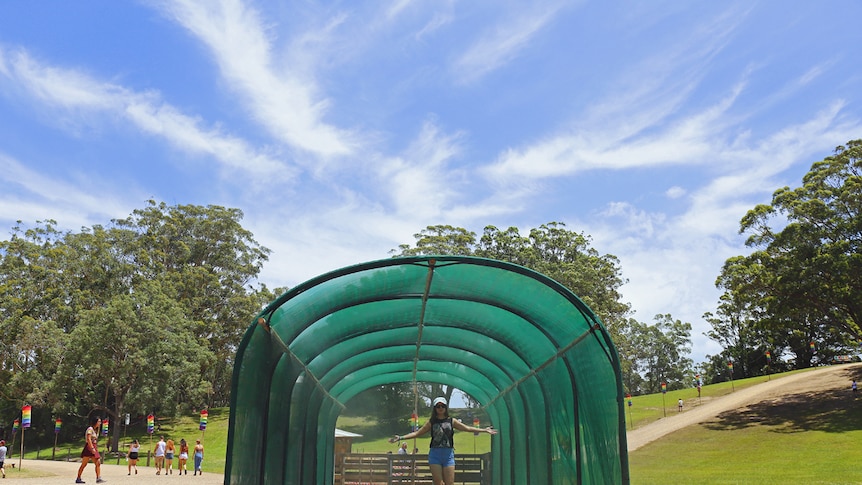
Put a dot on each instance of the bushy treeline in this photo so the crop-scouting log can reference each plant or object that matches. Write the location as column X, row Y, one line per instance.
column 798, row 295
column 140, row 316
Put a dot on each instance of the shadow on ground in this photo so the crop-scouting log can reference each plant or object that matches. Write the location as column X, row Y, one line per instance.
column 833, row 411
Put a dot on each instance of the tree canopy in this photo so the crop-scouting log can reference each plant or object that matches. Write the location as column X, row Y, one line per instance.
column 142, row 315
column 800, row 285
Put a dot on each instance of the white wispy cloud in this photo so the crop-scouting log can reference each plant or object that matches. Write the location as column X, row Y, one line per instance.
column 420, row 181
column 672, row 261
column 283, row 99
column 638, row 122
column 76, row 98
column 502, row 43
column 31, row 195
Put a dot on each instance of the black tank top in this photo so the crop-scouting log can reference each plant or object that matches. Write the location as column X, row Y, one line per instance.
column 442, row 433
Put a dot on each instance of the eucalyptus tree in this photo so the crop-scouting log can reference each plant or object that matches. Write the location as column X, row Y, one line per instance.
column 658, row 353
column 803, row 276
column 137, row 353
column 142, row 314
column 209, row 264
column 32, row 315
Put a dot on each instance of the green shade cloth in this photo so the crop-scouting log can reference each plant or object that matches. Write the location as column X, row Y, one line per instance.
column 539, row 362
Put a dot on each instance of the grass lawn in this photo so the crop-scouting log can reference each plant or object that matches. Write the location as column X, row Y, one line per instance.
column 214, row 440
column 652, row 407
column 804, row 438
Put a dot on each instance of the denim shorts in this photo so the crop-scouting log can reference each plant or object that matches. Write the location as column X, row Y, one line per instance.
column 441, row 456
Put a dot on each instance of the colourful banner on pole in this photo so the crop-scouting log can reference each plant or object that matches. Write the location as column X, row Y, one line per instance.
column 414, row 422
column 151, row 424
column 730, row 366
column 15, row 426
column 629, row 397
column 811, row 345
column 58, row 423
column 204, row 416
column 26, row 413
column 105, row 425
column 768, row 356
column 664, row 387
column 475, row 425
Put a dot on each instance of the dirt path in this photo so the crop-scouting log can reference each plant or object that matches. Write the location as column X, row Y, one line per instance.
column 62, row 472
column 832, row 377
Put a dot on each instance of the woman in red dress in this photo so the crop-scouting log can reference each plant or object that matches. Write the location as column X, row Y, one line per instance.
column 91, row 450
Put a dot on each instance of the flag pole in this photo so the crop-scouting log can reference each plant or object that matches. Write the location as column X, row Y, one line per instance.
column 21, row 456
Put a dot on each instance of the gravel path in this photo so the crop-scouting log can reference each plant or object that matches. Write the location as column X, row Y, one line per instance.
column 831, row 377
column 62, row 472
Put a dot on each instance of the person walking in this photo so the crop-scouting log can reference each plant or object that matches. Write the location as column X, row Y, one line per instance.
column 183, row 458
column 169, row 456
column 159, row 453
column 199, row 457
column 3, row 450
column 134, row 454
column 91, row 450
column 441, row 456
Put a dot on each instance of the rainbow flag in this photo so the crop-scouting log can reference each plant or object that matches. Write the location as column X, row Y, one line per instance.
column 15, row 425
column 57, row 425
column 768, row 356
column 105, row 425
column 204, row 416
column 151, row 423
column 475, row 425
column 730, row 366
column 811, row 345
column 664, row 387
column 26, row 413
column 414, row 422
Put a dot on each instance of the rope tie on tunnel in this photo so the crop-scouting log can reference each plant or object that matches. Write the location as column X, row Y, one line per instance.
column 305, row 370
column 421, row 325
column 545, row 364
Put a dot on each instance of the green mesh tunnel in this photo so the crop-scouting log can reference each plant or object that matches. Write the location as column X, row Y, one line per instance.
column 533, row 355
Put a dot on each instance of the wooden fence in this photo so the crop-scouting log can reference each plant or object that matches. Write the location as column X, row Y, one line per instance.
column 395, row 469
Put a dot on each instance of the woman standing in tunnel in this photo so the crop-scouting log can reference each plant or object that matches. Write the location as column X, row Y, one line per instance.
column 441, row 456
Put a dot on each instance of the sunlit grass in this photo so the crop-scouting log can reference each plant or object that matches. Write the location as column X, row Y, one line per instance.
column 806, row 438
column 214, row 440
column 652, row 407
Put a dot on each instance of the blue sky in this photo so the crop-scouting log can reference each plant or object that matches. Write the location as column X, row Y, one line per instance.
column 343, row 128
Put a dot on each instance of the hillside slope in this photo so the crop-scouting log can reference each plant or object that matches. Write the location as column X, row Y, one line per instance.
column 818, row 380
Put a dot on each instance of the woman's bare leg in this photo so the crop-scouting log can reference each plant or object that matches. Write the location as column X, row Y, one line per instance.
column 449, row 475
column 436, row 474
column 84, row 461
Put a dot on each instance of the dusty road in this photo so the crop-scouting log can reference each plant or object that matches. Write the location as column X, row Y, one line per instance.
column 61, row 472
column 831, row 377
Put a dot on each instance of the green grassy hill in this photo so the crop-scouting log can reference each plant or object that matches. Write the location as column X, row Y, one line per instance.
column 802, row 437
